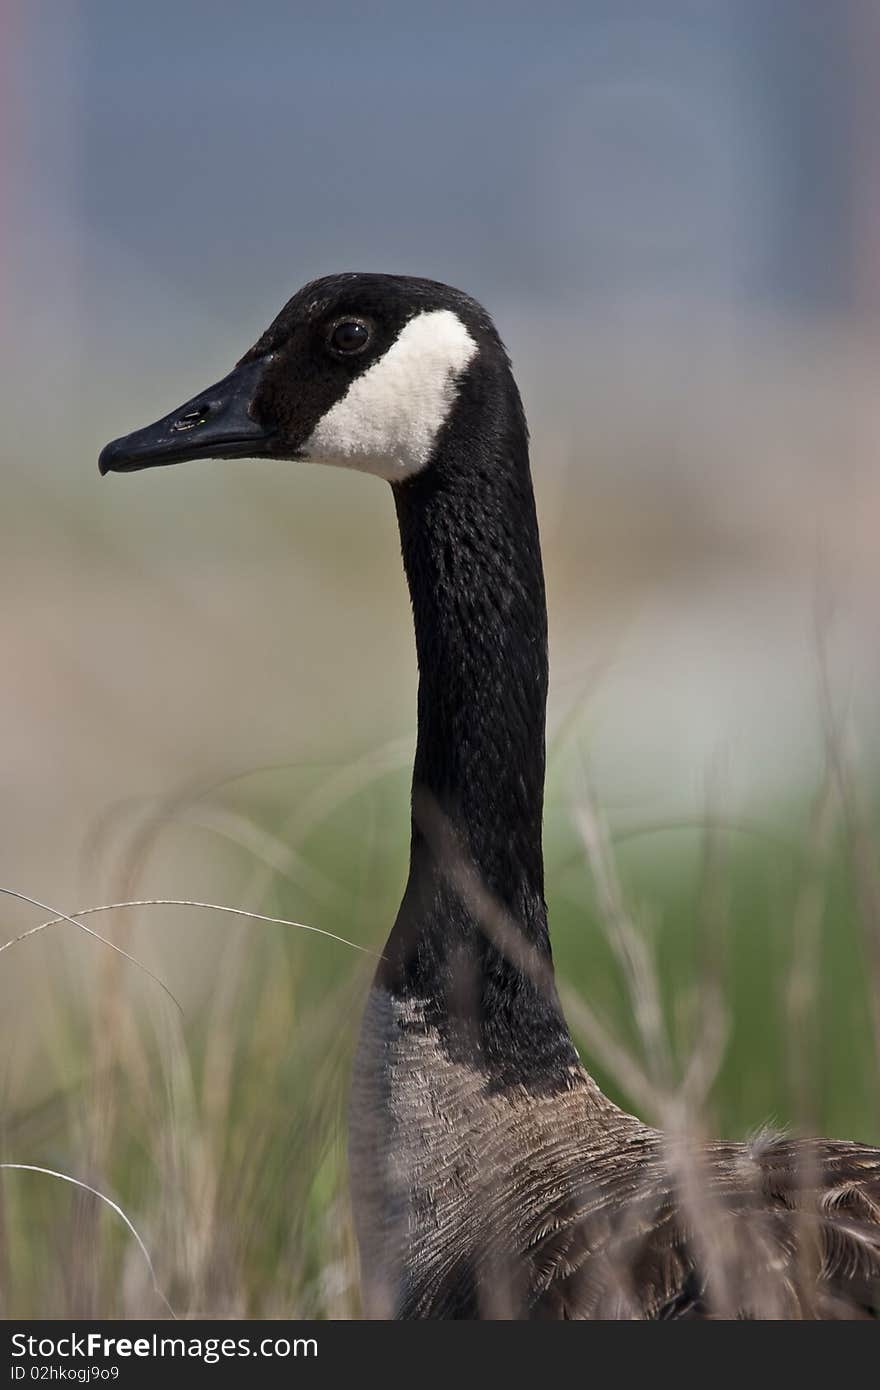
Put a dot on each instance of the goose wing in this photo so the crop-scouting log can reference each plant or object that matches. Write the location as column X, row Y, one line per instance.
column 774, row 1229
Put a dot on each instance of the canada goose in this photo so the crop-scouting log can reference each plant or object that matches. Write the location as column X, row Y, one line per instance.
column 490, row 1176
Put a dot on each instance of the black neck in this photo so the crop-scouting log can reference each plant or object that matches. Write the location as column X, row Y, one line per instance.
column 471, row 935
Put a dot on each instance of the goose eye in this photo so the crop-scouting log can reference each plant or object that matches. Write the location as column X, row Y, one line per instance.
column 349, row 336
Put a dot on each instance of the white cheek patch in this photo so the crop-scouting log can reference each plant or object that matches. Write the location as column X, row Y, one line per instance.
column 389, row 418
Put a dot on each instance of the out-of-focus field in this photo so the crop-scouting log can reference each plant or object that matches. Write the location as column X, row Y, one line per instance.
column 208, row 692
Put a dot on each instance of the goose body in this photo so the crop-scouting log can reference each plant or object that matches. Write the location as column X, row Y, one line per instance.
column 491, row 1178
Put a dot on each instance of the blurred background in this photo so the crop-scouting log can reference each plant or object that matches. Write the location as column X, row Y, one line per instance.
column 207, row 681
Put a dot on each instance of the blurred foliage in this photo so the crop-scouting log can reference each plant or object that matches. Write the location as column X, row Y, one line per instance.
column 221, row 1133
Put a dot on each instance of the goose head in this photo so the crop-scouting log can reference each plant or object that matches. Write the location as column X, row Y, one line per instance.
column 358, row 370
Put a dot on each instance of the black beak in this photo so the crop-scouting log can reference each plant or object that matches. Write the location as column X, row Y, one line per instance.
column 216, row 424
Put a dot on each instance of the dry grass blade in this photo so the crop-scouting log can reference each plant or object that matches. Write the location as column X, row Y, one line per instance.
column 615, row 1057
column 108, row 1201
column 802, row 992
column 169, row 902
column 712, row 1025
column 630, row 948
column 507, row 937
column 89, row 931
column 677, row 1105
column 504, row 933
column 855, row 815
column 687, row 825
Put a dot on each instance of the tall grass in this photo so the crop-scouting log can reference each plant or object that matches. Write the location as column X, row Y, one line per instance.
column 718, row 975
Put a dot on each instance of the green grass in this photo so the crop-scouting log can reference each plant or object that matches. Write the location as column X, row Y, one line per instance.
column 221, row 1133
